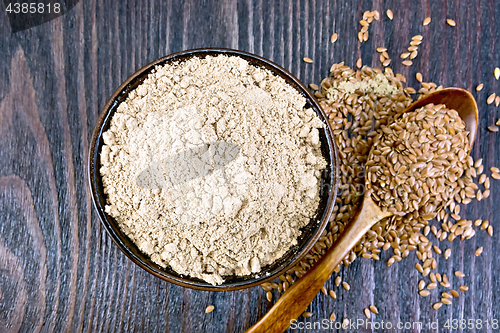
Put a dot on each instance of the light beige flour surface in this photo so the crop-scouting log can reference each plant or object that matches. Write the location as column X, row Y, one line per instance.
column 211, row 166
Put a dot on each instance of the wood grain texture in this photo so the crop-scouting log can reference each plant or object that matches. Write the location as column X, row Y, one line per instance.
column 60, row 272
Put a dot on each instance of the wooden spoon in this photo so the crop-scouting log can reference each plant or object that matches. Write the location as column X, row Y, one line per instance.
column 296, row 299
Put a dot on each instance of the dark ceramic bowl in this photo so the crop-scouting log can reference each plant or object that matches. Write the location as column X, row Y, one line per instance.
column 310, row 233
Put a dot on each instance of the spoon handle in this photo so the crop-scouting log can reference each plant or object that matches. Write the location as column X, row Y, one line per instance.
column 296, row 299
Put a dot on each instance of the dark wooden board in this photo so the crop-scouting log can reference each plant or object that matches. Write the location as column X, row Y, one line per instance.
column 59, row 271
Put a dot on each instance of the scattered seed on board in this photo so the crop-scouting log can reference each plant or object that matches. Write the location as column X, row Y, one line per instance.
column 332, row 294
column 447, row 253
column 495, row 175
column 390, row 14
column 360, row 36
column 497, row 73
column 334, row 38
column 454, row 293
column 407, row 62
column 497, row 100
column 359, row 63
column 269, row 296
column 308, row 60
column 209, row 309
column 491, row 98
column 426, row 21
column 445, row 301
column 446, row 295
column 346, row 286
column 421, row 285
column 419, row 77
column 485, row 225
column 307, row 314
column 367, row 313
column 490, row 230
column 313, row 86
column 479, row 87
column 374, row 309
column 463, row 288
column 445, row 284
column 432, row 285
column 479, row 251
column 451, row 22
column 338, row 280
column 493, row 128
column 390, row 262
column 424, row 293
column 333, row 317
column 437, row 305
column 459, row 274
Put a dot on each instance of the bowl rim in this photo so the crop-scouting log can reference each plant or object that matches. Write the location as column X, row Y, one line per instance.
column 186, row 281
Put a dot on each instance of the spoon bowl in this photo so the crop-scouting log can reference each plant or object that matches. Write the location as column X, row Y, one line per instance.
column 298, row 297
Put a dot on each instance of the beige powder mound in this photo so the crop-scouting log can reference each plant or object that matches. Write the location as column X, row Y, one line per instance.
column 169, row 195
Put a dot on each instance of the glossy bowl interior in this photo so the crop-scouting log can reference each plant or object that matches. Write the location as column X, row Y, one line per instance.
column 310, row 233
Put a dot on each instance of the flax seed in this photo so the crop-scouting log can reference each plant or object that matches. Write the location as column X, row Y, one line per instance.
column 490, row 99
column 437, row 305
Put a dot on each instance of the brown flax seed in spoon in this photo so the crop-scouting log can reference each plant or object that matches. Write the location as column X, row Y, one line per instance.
column 417, row 161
